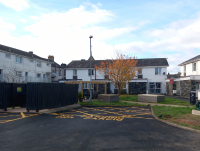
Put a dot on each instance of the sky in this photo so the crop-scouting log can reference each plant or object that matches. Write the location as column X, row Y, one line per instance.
column 142, row 28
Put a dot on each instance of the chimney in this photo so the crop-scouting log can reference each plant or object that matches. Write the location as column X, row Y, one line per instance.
column 51, row 57
column 31, row 52
column 63, row 64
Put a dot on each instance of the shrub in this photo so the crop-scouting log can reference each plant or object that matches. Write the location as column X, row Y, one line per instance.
column 80, row 95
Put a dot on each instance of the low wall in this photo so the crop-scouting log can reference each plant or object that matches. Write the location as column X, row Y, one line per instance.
column 150, row 98
column 108, row 97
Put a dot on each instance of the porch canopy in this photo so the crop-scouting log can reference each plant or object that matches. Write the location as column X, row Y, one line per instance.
column 93, row 82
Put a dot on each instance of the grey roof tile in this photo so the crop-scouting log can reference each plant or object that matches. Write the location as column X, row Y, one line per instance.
column 188, row 61
column 141, row 63
column 20, row 52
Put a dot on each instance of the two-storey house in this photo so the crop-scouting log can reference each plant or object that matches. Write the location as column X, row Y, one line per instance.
column 150, row 79
column 57, row 71
column 188, row 80
column 18, row 66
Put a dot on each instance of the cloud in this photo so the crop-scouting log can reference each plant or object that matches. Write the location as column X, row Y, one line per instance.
column 6, row 26
column 66, row 34
column 179, row 41
column 17, row 5
column 23, row 20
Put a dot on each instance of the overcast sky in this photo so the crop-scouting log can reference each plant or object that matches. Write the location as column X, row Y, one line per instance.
column 144, row 28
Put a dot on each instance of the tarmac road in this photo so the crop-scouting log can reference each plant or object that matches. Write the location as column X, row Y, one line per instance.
column 93, row 128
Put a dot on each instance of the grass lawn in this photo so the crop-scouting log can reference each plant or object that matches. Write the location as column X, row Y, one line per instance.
column 134, row 98
column 179, row 115
column 100, row 103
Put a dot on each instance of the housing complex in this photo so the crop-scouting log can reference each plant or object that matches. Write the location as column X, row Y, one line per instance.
column 17, row 66
column 150, row 79
column 188, row 81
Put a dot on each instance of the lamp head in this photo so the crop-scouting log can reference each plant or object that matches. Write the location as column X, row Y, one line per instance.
column 91, row 36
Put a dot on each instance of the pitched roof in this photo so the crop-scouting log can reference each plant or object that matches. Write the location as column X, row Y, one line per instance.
column 20, row 52
column 141, row 63
column 190, row 60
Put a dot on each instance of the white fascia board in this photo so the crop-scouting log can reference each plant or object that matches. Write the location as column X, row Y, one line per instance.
column 6, row 52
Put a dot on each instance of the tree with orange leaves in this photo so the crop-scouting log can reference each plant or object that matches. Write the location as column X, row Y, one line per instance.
column 120, row 71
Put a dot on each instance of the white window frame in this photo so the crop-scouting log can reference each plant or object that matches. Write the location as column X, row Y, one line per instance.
column 18, row 59
column 8, row 56
column 74, row 72
column 18, row 73
column 89, row 72
column 194, row 66
column 155, row 87
column 159, row 71
column 60, row 72
column 184, row 68
column 39, row 64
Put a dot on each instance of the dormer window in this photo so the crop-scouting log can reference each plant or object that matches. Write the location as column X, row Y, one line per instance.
column 194, row 66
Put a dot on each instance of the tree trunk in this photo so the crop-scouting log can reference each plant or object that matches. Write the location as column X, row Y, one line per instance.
column 119, row 91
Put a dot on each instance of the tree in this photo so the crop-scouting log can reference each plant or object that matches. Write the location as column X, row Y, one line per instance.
column 120, row 71
column 11, row 76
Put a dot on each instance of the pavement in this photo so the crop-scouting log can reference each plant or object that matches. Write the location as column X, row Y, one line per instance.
column 45, row 111
column 153, row 104
column 93, row 128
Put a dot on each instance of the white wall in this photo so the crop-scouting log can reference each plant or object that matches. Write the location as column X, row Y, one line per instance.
column 189, row 70
column 148, row 72
column 26, row 66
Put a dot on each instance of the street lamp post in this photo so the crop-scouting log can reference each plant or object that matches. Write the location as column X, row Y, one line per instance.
column 90, row 71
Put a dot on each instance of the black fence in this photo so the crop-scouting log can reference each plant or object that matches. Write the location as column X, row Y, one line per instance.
column 50, row 95
column 37, row 96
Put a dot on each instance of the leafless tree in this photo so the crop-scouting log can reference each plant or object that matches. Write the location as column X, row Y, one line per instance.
column 10, row 75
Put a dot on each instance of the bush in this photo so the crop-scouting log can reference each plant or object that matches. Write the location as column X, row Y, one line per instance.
column 80, row 95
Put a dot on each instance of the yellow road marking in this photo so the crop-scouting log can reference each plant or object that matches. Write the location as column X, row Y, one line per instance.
column 23, row 116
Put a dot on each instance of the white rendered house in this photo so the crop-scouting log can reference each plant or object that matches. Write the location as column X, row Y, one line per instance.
column 150, row 80
column 23, row 66
column 188, row 81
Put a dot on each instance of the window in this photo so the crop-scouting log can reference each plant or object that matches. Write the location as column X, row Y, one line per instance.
column 47, row 64
column 140, row 71
column 8, row 56
column 18, row 73
column 194, row 66
column 60, row 72
column 43, row 75
column 86, row 85
column 26, row 74
column 184, row 68
column 155, row 88
column 74, row 72
column 38, row 75
column 19, row 59
column 89, row 72
column 197, row 86
column 157, row 71
column 39, row 64
column 31, row 61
